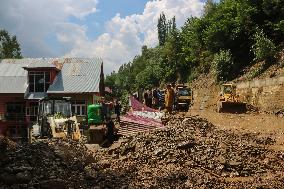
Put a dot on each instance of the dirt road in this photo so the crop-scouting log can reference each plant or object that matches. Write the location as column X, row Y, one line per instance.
column 261, row 123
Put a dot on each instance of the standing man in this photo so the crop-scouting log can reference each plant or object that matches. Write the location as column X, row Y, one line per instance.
column 150, row 96
column 104, row 110
column 155, row 98
column 146, row 98
column 169, row 98
column 117, row 109
column 160, row 99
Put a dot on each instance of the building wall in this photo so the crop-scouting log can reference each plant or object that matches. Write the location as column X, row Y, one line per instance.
column 4, row 98
column 4, row 124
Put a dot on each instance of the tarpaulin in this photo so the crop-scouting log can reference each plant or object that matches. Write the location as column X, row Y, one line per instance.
column 138, row 106
column 141, row 118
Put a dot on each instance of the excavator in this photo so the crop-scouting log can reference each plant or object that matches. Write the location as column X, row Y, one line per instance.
column 55, row 120
column 102, row 129
column 229, row 101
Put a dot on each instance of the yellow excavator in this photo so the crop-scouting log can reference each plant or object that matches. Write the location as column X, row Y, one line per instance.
column 229, row 101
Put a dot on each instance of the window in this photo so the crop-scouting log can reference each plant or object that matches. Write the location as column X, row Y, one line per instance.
column 63, row 107
column 184, row 92
column 32, row 111
column 79, row 107
column 15, row 111
column 39, row 81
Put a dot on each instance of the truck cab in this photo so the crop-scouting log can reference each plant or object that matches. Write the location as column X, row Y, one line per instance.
column 184, row 97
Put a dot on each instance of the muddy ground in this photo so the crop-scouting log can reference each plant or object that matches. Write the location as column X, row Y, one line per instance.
column 227, row 151
column 251, row 122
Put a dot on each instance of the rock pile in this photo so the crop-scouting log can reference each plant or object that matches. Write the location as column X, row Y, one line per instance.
column 189, row 153
column 44, row 164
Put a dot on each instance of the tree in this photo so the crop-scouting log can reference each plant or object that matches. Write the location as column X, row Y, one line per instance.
column 263, row 48
column 162, row 29
column 209, row 7
column 223, row 65
column 9, row 46
column 225, row 38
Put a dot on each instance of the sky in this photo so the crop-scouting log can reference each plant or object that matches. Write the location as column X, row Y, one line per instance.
column 114, row 30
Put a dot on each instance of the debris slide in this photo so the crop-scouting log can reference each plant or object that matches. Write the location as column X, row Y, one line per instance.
column 189, row 152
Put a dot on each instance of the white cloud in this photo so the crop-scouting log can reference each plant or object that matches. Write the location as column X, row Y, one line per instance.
column 44, row 29
column 124, row 36
column 35, row 22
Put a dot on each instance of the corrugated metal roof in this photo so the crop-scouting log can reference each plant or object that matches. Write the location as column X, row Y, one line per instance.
column 13, row 78
column 78, row 75
column 12, row 84
column 32, row 62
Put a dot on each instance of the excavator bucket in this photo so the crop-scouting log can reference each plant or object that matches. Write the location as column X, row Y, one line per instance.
column 232, row 107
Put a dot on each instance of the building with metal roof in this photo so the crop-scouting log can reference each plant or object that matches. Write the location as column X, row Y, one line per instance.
column 76, row 75
column 24, row 81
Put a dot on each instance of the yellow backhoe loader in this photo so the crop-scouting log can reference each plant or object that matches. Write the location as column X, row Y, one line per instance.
column 55, row 120
column 229, row 101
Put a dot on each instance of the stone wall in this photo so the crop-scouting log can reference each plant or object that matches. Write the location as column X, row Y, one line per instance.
column 266, row 94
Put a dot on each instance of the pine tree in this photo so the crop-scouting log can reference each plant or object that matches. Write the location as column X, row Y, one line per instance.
column 162, row 29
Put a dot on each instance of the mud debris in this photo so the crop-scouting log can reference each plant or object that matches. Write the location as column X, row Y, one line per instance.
column 189, row 152
column 45, row 164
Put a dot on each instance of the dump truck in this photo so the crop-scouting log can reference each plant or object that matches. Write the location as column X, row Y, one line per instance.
column 229, row 101
column 184, row 97
column 55, row 120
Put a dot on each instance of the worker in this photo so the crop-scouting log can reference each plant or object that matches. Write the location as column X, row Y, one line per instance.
column 160, row 99
column 104, row 111
column 169, row 98
column 117, row 109
column 155, row 98
column 149, row 103
column 146, row 97
column 110, row 130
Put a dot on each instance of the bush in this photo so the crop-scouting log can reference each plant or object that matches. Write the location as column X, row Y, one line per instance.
column 193, row 75
column 256, row 72
column 223, row 65
column 282, row 64
column 263, row 48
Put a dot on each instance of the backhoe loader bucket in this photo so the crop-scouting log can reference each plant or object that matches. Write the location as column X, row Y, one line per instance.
column 232, row 107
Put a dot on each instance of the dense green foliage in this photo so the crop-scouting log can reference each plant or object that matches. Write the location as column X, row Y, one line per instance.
column 228, row 37
column 9, row 46
column 223, row 65
column 263, row 48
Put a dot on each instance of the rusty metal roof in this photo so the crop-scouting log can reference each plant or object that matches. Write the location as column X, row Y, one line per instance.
column 78, row 75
